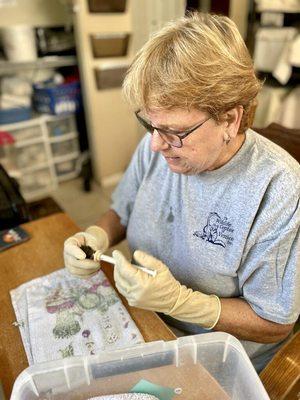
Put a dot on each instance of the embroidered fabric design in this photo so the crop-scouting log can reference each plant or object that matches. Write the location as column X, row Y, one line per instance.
column 126, row 396
column 60, row 315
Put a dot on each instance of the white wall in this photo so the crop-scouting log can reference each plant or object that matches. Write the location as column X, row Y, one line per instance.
column 34, row 13
column 238, row 12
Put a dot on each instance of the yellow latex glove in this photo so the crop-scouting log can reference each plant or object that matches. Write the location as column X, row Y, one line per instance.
column 75, row 259
column 163, row 293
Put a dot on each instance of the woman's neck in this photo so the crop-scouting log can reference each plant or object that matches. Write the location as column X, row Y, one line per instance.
column 230, row 150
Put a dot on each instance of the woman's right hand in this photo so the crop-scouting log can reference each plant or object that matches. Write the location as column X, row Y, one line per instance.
column 75, row 258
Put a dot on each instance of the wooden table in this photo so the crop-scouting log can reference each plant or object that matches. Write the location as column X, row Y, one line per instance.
column 39, row 256
column 281, row 377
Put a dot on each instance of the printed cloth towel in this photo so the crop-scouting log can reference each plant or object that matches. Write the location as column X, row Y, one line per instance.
column 60, row 315
column 126, row 396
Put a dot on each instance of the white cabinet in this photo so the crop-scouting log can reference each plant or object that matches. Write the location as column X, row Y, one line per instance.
column 47, row 152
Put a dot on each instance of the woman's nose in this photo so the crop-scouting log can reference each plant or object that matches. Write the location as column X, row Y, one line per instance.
column 157, row 143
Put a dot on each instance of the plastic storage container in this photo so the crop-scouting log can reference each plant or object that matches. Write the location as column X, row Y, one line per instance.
column 61, row 126
column 60, row 99
column 36, row 181
column 213, row 366
column 30, row 156
column 27, row 133
column 66, row 147
column 67, row 169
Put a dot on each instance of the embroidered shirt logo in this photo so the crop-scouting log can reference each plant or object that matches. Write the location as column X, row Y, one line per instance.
column 217, row 230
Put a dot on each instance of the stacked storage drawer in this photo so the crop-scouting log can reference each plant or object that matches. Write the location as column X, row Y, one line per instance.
column 32, row 158
column 63, row 139
column 47, row 152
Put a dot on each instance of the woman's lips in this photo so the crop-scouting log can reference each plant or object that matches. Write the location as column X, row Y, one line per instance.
column 172, row 160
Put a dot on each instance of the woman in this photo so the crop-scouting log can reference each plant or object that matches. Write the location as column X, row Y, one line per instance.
column 208, row 203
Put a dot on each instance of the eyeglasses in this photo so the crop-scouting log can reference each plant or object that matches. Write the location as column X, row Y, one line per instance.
column 172, row 138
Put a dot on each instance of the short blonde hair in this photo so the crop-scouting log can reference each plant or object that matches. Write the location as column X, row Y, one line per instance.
column 198, row 61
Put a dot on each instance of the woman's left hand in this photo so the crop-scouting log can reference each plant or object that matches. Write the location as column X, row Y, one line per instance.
column 162, row 292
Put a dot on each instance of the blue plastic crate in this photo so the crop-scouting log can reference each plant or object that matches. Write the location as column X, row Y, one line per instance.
column 60, row 99
column 16, row 114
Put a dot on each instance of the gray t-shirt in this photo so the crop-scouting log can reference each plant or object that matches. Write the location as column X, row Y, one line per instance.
column 233, row 232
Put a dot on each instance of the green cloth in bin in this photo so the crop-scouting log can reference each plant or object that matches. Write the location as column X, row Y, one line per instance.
column 161, row 392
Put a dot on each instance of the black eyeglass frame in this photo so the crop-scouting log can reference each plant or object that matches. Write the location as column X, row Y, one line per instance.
column 150, row 128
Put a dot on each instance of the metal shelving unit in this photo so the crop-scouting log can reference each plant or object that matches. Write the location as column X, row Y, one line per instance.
column 10, row 68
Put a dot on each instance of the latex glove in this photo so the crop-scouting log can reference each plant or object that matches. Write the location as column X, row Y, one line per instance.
column 163, row 293
column 75, row 259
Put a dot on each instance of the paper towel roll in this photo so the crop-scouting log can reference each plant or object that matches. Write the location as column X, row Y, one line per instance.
column 19, row 43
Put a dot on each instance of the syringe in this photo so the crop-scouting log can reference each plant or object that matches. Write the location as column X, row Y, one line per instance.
column 98, row 256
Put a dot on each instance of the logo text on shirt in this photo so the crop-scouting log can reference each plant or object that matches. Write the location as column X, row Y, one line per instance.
column 217, row 230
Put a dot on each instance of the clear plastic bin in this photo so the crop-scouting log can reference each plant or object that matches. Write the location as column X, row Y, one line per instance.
column 27, row 133
column 65, row 167
column 61, row 126
column 213, row 366
column 36, row 180
column 31, row 156
column 65, row 147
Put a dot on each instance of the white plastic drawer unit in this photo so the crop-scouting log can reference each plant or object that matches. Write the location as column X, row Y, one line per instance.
column 212, row 366
column 60, row 126
column 65, row 147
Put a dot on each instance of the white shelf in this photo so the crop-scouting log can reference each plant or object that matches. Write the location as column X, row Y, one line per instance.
column 28, row 142
column 62, row 138
column 8, row 67
column 35, row 194
column 66, row 177
column 22, row 124
column 28, row 170
column 52, row 117
column 66, row 157
column 35, row 120
column 293, row 9
column 109, row 22
column 112, row 62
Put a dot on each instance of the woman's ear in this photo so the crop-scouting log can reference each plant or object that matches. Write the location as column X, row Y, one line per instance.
column 233, row 121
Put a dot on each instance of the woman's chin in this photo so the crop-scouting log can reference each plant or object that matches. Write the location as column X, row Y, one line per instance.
column 181, row 169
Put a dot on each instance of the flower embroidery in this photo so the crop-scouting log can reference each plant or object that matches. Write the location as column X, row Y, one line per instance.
column 67, row 352
column 61, row 316
column 68, row 305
